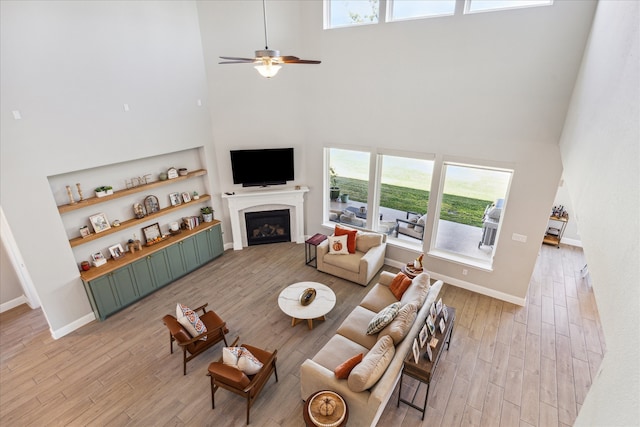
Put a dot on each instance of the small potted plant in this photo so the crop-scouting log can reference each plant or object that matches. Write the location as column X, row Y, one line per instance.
column 334, row 191
column 108, row 189
column 195, row 195
column 105, row 190
column 207, row 214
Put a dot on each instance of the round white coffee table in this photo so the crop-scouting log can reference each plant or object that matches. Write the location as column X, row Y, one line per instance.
column 289, row 302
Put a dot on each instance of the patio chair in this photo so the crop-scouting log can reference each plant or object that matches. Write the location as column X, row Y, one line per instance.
column 413, row 227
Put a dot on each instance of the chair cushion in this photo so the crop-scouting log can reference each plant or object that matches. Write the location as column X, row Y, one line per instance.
column 344, row 369
column 337, row 349
column 190, row 320
column 338, row 245
column 373, row 365
column 378, row 298
column 366, row 240
column 351, row 237
column 355, row 325
column 229, row 375
column 212, row 321
column 399, row 285
column 401, row 325
column 383, row 318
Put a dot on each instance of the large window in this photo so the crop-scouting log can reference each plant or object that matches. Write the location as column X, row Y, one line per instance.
column 343, row 13
column 471, row 205
column 493, row 5
column 348, row 185
column 412, row 9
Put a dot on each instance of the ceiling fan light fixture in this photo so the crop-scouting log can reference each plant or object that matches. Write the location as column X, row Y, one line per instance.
column 268, row 69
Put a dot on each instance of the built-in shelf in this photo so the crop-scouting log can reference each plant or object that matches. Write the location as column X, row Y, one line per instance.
column 135, row 221
column 127, row 192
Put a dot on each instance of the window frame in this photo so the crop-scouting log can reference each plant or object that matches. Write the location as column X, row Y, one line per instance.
column 468, row 11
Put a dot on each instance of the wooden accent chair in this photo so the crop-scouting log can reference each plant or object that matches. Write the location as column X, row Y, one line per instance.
column 191, row 347
column 236, row 381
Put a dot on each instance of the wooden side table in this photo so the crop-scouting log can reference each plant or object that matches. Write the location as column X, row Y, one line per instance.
column 340, row 409
column 311, row 245
column 424, row 370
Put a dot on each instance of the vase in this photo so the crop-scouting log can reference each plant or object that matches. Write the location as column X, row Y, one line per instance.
column 207, row 217
column 344, row 198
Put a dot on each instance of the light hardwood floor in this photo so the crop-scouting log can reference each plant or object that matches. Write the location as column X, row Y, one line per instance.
column 507, row 365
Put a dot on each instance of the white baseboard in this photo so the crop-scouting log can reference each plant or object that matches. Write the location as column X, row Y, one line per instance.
column 467, row 285
column 67, row 329
column 571, row 242
column 6, row 306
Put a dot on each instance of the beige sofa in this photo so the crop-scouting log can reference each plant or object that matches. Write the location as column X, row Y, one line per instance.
column 359, row 267
column 365, row 407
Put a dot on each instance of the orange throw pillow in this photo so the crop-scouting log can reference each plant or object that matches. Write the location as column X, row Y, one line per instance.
column 351, row 237
column 399, row 285
column 343, row 370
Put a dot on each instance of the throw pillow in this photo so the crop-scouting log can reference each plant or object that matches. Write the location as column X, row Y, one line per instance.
column 343, row 370
column 401, row 325
column 399, row 285
column 373, row 365
column 418, row 290
column 351, row 237
column 190, row 320
column 242, row 359
column 383, row 318
column 338, row 245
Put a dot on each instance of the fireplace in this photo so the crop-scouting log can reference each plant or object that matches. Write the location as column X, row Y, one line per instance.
column 268, row 227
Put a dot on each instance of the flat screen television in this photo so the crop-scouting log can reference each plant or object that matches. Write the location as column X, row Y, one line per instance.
column 253, row 168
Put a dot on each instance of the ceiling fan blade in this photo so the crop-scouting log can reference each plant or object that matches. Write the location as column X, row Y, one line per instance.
column 235, row 62
column 302, row 61
column 234, row 58
column 289, row 58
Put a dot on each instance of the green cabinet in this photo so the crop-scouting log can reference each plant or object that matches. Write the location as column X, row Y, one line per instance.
column 115, row 290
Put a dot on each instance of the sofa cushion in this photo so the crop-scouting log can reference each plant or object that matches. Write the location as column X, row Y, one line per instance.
column 373, row 365
column 344, row 369
column 399, row 285
column 349, row 262
column 379, row 297
column 337, row 350
column 351, row 237
column 355, row 325
column 367, row 240
column 338, row 245
column 401, row 325
column 418, row 290
column 383, row 318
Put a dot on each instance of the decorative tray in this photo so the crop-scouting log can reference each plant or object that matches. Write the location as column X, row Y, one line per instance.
column 411, row 269
column 307, row 296
column 332, row 420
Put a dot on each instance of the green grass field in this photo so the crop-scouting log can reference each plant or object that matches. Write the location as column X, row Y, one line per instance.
column 458, row 209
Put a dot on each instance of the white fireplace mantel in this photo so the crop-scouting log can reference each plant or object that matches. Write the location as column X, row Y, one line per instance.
column 239, row 202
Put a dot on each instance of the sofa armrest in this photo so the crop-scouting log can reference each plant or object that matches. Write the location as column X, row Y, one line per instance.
column 321, row 250
column 373, row 259
column 386, row 278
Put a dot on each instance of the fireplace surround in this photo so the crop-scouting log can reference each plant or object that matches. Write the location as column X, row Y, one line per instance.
column 263, row 200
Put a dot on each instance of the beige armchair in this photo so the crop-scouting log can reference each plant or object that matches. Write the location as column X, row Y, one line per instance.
column 359, row 267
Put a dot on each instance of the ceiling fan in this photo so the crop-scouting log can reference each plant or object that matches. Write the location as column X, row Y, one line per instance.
column 267, row 61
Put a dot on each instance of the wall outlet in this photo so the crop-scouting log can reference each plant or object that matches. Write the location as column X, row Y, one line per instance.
column 519, row 237
column 464, row 271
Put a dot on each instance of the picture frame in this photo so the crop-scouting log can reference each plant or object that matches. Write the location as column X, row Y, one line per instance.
column 84, row 231
column 429, row 354
column 97, row 256
column 423, row 335
column 151, row 233
column 186, row 197
column 116, row 251
column 416, row 351
column 442, row 326
column 99, row 222
column 432, row 310
column 439, row 306
column 445, row 313
column 172, row 173
column 151, row 204
column 431, row 325
column 174, row 198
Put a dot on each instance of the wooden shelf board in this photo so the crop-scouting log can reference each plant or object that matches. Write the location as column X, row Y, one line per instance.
column 135, row 221
column 128, row 191
column 128, row 258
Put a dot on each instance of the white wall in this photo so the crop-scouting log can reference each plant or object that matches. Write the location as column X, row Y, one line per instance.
column 489, row 86
column 68, row 67
column 601, row 156
column 10, row 288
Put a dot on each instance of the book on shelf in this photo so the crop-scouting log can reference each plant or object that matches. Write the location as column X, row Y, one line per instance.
column 191, row 222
